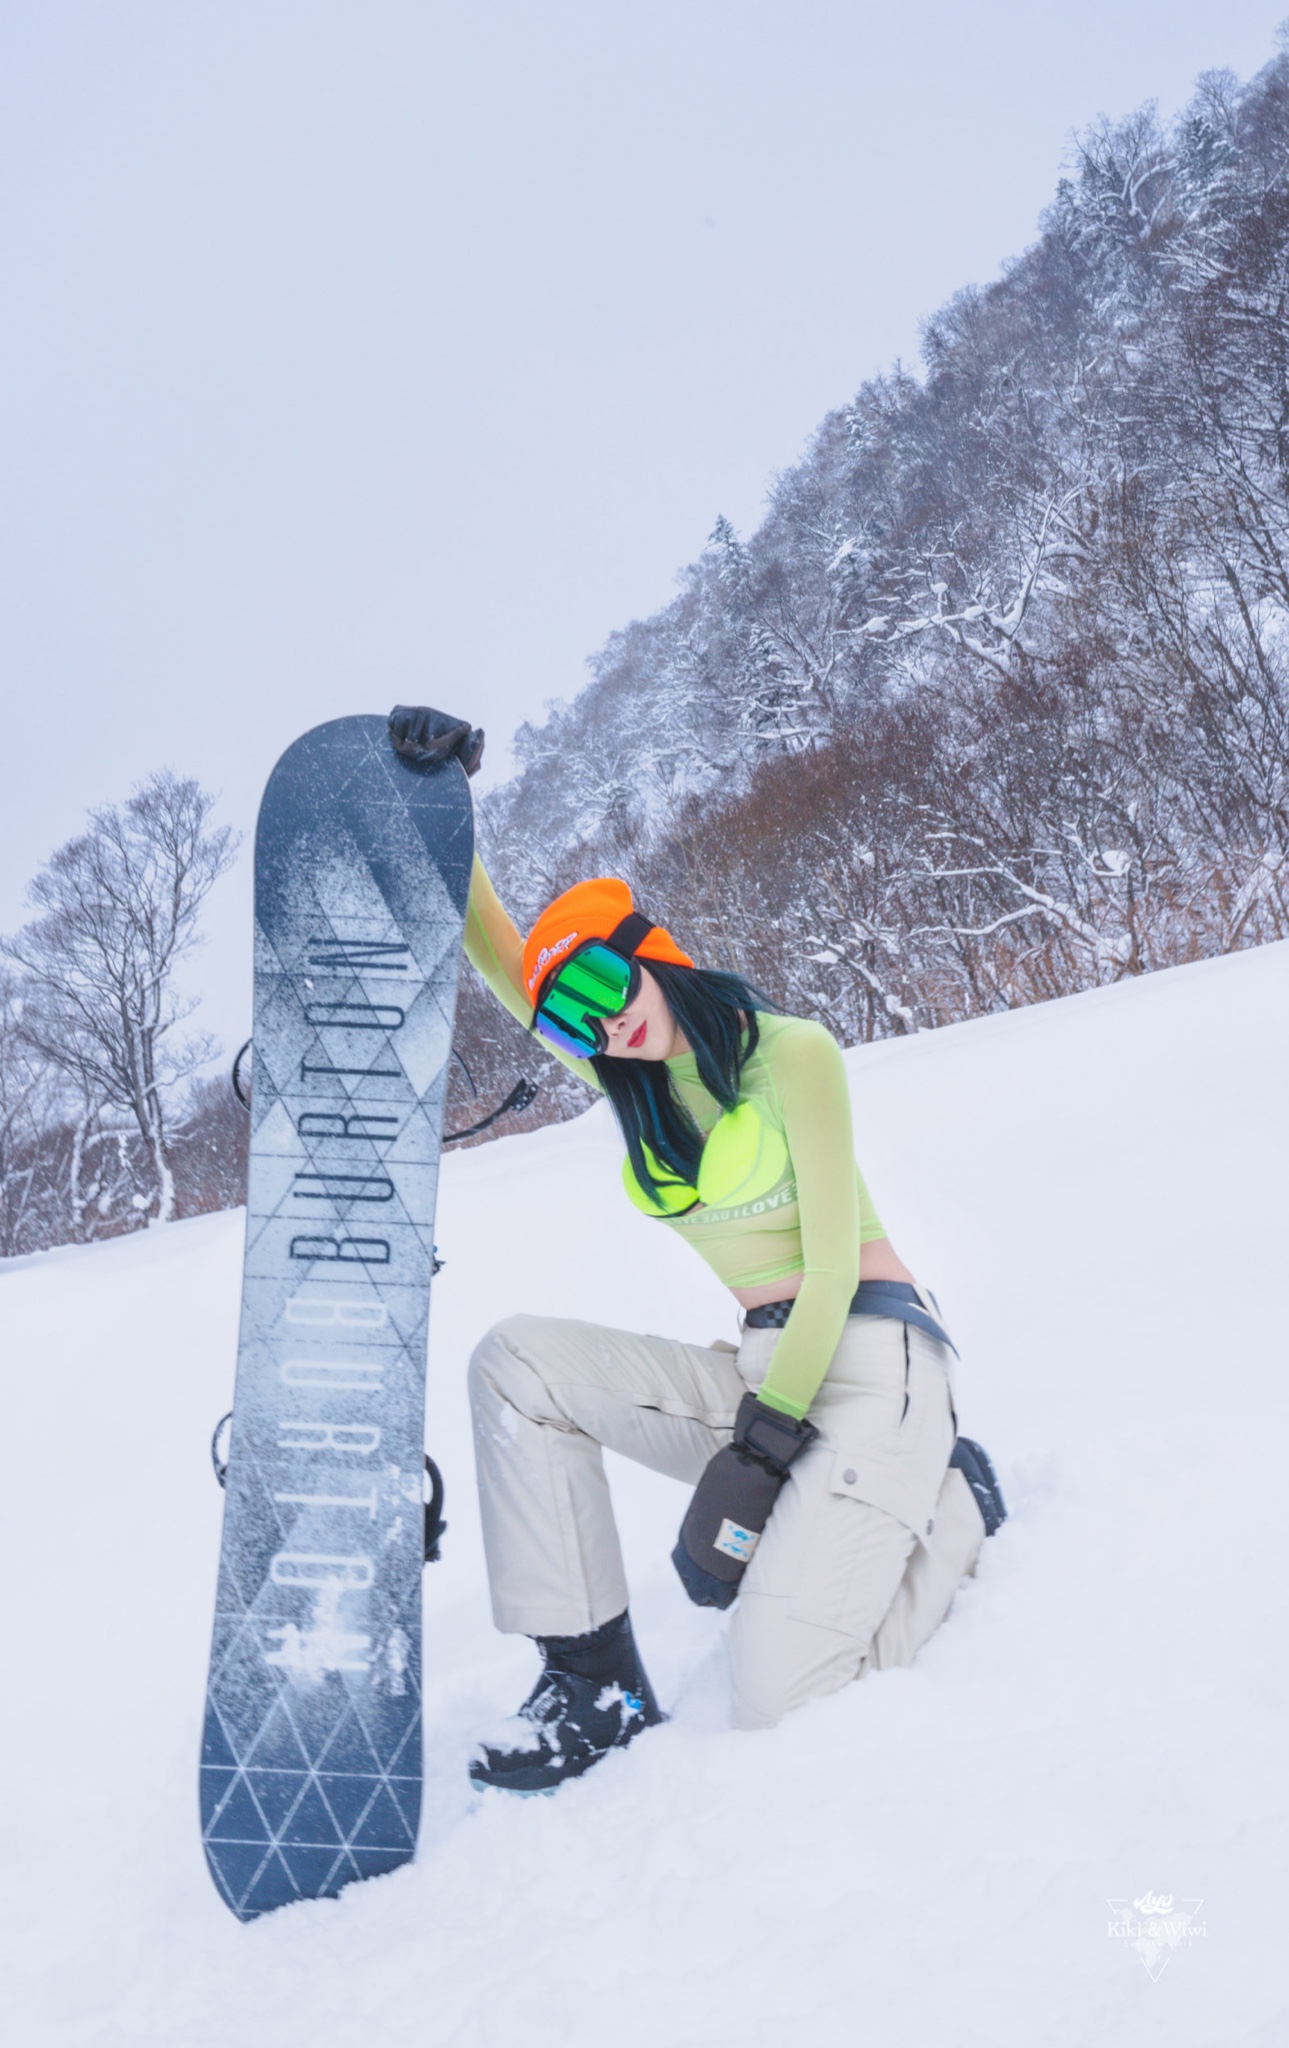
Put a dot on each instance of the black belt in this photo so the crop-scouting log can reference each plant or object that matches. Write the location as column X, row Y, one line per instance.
column 895, row 1298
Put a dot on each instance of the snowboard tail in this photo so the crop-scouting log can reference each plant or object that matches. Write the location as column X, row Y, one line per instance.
column 311, row 1764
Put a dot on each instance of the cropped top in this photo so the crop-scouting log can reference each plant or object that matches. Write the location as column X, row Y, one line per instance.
column 778, row 1191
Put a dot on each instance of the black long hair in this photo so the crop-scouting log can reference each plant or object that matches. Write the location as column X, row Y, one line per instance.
column 710, row 1007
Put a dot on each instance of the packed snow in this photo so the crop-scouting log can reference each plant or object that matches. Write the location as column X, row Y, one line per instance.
column 1096, row 1190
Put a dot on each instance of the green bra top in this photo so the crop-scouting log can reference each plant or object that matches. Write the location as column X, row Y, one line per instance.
column 778, row 1192
column 743, row 1160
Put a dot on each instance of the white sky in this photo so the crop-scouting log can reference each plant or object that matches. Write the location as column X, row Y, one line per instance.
column 363, row 350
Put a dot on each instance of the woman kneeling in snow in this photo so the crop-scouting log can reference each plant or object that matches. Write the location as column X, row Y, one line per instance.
column 832, row 1495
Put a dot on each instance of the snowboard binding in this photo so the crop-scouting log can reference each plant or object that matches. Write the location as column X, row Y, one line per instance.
column 435, row 1526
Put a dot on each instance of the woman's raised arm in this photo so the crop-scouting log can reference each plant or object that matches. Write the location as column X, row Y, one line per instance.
column 493, row 945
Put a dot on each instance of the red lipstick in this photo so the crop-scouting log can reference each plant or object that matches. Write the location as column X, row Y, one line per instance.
column 637, row 1037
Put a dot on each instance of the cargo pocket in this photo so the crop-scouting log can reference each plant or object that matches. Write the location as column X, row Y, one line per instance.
column 857, row 1557
column 887, row 1431
column 893, row 1484
column 900, row 1470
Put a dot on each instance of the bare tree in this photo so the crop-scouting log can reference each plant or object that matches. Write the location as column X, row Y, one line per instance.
column 118, row 912
column 27, row 1106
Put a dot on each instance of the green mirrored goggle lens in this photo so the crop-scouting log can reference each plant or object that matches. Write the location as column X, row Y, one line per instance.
column 595, row 983
column 597, row 978
column 582, row 1043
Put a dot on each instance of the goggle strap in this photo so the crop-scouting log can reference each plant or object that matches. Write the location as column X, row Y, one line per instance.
column 629, row 935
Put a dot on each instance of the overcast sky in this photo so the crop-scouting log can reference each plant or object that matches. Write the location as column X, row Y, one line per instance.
column 357, row 351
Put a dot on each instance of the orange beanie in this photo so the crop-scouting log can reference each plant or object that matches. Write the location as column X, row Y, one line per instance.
column 589, row 910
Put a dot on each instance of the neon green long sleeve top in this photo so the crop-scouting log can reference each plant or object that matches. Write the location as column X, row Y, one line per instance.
column 802, row 1207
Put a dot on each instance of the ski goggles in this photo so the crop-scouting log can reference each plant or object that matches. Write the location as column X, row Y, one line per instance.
column 593, row 983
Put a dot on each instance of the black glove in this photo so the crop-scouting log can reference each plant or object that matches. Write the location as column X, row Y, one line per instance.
column 422, row 735
column 733, row 1499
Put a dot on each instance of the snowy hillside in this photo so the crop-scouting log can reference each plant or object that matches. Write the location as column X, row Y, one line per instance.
column 1096, row 1189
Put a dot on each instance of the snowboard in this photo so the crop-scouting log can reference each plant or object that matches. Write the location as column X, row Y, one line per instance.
column 311, row 1753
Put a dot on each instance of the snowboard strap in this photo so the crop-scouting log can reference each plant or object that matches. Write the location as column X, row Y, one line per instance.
column 519, row 1098
column 523, row 1093
column 220, row 1463
column 435, row 1526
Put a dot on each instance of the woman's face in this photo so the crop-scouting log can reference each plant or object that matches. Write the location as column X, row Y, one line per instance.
column 646, row 1029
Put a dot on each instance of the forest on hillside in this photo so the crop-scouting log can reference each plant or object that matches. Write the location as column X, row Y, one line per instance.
column 993, row 706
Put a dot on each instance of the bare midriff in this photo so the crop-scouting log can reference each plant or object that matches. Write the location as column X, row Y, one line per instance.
column 877, row 1261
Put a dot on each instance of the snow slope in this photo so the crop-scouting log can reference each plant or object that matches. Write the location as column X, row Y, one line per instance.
column 1096, row 1189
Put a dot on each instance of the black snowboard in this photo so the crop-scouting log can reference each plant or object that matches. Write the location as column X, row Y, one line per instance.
column 311, row 1757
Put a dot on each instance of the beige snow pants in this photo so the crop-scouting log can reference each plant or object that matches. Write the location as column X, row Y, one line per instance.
column 868, row 1541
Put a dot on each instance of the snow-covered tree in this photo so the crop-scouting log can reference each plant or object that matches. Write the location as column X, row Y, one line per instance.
column 117, row 912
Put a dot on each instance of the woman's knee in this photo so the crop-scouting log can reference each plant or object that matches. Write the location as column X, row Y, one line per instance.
column 778, row 1661
column 506, row 1365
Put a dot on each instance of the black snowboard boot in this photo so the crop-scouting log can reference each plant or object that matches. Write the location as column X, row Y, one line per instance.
column 592, row 1696
column 973, row 1461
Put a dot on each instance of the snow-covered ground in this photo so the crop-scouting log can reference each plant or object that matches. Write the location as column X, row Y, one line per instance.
column 1096, row 1189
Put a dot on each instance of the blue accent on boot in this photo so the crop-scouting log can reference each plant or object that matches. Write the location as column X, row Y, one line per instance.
column 593, row 1696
